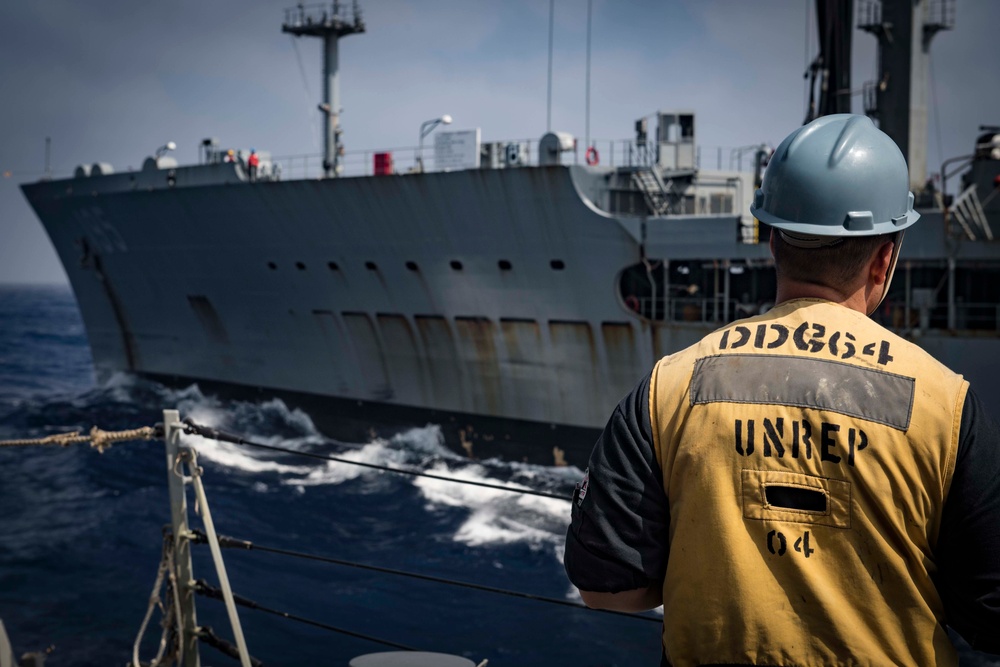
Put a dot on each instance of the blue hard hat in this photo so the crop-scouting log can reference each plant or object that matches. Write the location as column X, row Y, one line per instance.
column 836, row 176
column 253, row 150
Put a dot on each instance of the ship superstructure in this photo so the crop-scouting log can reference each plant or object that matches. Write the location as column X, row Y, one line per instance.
column 511, row 294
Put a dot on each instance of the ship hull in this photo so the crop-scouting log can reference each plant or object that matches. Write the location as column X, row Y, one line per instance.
column 474, row 293
column 486, row 301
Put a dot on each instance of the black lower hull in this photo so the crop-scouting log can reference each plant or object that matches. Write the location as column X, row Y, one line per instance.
column 475, row 436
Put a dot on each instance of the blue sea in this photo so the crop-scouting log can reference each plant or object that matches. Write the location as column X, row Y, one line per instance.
column 80, row 531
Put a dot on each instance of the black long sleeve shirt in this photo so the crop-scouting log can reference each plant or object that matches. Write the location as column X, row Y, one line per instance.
column 620, row 541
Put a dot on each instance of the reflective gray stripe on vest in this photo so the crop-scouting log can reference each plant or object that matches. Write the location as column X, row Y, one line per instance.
column 877, row 396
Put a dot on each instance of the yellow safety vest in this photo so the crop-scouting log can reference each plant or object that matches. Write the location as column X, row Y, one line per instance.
column 806, row 456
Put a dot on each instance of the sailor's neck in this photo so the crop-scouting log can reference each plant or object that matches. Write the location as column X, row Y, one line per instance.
column 790, row 291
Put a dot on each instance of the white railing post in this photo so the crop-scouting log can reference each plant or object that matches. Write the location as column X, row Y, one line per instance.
column 182, row 546
column 220, row 567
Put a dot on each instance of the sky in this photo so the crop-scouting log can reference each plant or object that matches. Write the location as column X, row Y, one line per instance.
column 111, row 80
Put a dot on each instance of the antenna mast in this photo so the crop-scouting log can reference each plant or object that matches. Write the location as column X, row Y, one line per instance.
column 590, row 11
column 331, row 22
column 898, row 100
column 548, row 110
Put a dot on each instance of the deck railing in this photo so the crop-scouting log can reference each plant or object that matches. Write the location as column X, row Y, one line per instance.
column 609, row 153
column 969, row 317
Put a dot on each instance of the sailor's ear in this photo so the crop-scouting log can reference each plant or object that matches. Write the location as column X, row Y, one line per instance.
column 881, row 263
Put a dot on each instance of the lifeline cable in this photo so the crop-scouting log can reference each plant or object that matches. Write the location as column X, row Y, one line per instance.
column 214, row 434
column 232, row 542
column 169, row 610
column 202, row 587
column 154, row 602
column 207, row 635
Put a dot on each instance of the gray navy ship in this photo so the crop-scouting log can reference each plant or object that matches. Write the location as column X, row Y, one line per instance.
column 510, row 293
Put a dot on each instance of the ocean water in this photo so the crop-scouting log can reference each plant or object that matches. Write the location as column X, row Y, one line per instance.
column 80, row 532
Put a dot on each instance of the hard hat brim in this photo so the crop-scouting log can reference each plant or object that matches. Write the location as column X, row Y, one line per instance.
column 856, row 223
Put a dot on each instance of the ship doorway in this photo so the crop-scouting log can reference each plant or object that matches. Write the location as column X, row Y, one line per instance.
column 697, row 291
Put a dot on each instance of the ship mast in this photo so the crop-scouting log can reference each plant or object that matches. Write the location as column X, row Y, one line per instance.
column 898, row 100
column 830, row 71
column 331, row 22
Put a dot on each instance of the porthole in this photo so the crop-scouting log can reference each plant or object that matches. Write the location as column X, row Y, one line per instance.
column 300, row 266
column 504, row 265
column 333, row 266
column 371, row 266
column 457, row 265
column 412, row 266
column 272, row 266
column 557, row 265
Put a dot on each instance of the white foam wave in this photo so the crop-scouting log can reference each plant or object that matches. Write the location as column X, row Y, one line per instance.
column 443, row 492
column 495, row 515
column 334, row 472
column 424, row 444
column 236, row 457
column 486, row 526
column 208, row 411
column 120, row 386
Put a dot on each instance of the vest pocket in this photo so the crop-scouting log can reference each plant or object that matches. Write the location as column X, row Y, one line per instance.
column 797, row 497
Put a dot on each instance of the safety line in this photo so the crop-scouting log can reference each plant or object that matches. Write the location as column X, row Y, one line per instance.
column 154, row 602
column 232, row 542
column 214, row 434
column 202, row 587
column 207, row 635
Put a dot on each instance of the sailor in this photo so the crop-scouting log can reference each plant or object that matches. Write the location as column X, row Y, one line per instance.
column 230, row 156
column 252, row 163
column 803, row 487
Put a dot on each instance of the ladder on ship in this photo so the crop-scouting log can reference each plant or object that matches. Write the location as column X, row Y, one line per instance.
column 654, row 190
column 968, row 211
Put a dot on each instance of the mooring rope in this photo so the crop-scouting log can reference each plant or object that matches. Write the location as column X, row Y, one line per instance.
column 192, row 428
column 167, row 576
column 101, row 440
column 98, row 438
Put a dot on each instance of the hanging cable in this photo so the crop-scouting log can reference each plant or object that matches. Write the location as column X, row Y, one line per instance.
column 154, row 603
column 230, row 542
column 202, row 587
column 308, row 92
column 935, row 107
column 168, row 603
column 191, row 427
column 207, row 635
